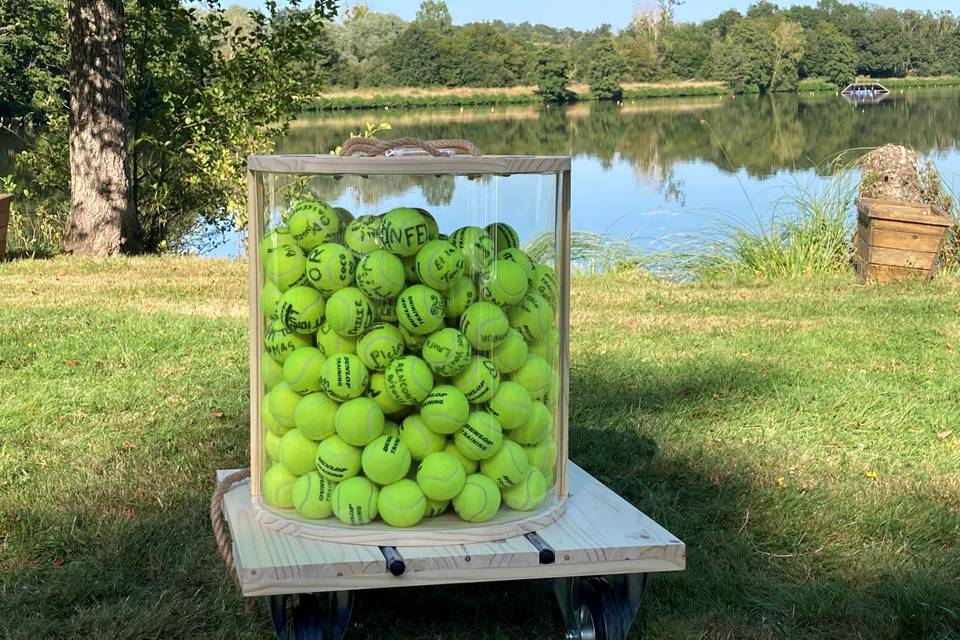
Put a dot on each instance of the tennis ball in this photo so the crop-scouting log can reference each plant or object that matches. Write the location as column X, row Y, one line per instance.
column 336, row 460
column 504, row 284
column 413, row 341
column 359, row 421
column 271, row 371
column 349, row 312
column 479, row 380
column 274, row 239
column 312, row 494
column 477, row 247
column 420, row 309
column 410, row 269
column 269, row 297
column 331, row 267
column 519, row 258
column 331, row 342
column 344, row 217
column 461, row 294
column 390, row 429
column 344, row 377
column 408, row 380
column 279, row 342
column 511, row 405
column 355, row 500
column 378, row 391
column 511, row 354
column 469, row 465
column 402, row 504
column 271, row 443
column 433, row 229
column 548, row 346
column 445, row 410
column 508, row 466
column 485, row 325
column 441, row 476
column 436, row 508
column 543, row 456
column 546, row 283
column 479, row 499
column 281, row 402
column 277, row 486
column 312, row 223
column 419, row 438
column 385, row 311
column 480, row 438
column 439, row 264
column 528, row 493
column 286, row 267
column 297, row 452
column 534, row 376
column 380, row 345
column 386, row 459
column 303, row 368
column 536, row 429
column 380, row 275
column 362, row 236
column 315, row 415
column 504, row 236
column 447, row 352
column 403, row 231
column 268, row 422
column 532, row 317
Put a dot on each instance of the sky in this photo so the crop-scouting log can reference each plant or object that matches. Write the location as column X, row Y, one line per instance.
column 585, row 15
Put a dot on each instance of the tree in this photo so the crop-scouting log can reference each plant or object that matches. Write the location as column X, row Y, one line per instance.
column 830, row 54
column 417, row 59
column 788, row 43
column 605, row 70
column 33, row 60
column 480, row 56
column 638, row 51
column 745, row 58
column 686, row 48
column 360, row 42
column 551, row 69
column 434, row 15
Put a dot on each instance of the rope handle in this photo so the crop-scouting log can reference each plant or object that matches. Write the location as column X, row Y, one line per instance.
column 220, row 529
column 441, row 147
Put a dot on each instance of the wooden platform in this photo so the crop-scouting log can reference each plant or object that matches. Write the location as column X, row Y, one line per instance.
column 599, row 534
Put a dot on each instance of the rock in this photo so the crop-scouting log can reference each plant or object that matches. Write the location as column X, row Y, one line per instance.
column 890, row 173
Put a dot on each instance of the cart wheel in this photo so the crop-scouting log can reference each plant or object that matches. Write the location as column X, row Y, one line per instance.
column 599, row 614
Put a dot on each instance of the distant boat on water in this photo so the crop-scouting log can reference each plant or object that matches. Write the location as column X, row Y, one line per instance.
column 865, row 92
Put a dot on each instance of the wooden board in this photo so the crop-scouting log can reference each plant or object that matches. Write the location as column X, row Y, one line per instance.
column 898, row 239
column 903, row 212
column 880, row 273
column 901, row 258
column 599, row 534
column 4, row 221
column 409, row 165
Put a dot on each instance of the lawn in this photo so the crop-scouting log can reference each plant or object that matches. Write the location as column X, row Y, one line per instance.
column 801, row 438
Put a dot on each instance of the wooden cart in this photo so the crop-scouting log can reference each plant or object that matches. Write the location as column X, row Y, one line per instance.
column 596, row 557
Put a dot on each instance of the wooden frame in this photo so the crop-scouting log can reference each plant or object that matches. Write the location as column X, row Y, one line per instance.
column 452, row 530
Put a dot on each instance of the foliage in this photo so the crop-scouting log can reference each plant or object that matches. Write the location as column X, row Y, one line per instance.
column 605, row 71
column 434, row 15
column 788, row 42
column 830, row 54
column 417, row 58
column 33, row 59
column 359, row 43
column 686, row 49
column 481, row 56
column 551, row 73
column 745, row 58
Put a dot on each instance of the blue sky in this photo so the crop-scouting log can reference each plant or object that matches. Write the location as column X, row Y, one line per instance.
column 586, row 15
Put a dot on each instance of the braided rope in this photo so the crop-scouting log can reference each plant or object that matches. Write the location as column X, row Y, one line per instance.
column 371, row 147
column 220, row 529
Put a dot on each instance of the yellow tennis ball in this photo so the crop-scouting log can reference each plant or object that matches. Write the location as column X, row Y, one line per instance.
column 281, row 401
column 269, row 298
column 546, row 283
column 441, row 476
column 536, row 429
column 336, row 460
column 331, row 267
column 519, row 258
column 349, row 312
column 386, row 459
column 461, row 294
column 344, row 217
column 504, row 284
column 303, row 368
column 504, row 236
column 413, row 341
column 436, row 508
column 271, row 371
column 359, row 421
column 480, row 437
column 408, row 380
column 543, row 456
column 275, row 239
column 271, row 443
column 469, row 465
column 285, row 267
column 279, row 342
column 534, row 376
column 508, row 466
column 439, row 264
column 477, row 247
column 526, row 494
column 447, row 351
column 420, row 309
column 380, row 345
column 268, row 422
column 297, row 452
column 315, row 416
column 511, row 405
column 485, row 325
column 403, row 231
column 479, row 380
column 312, row 223
column 511, row 353
column 378, row 391
column 331, row 342
column 277, row 486
column 410, row 269
column 344, row 377
column 312, row 494
column 445, row 409
column 479, row 499
column 401, row 504
column 391, row 428
column 355, row 500
column 419, row 438
column 362, row 236
column 381, row 275
column 532, row 317
column 548, row 346
column 433, row 229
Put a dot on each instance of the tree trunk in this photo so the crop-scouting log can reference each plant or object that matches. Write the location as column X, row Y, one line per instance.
column 102, row 219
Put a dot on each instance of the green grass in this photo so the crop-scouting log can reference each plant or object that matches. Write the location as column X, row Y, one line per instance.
column 801, row 438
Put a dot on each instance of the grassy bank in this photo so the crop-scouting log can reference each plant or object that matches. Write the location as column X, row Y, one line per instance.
column 801, row 438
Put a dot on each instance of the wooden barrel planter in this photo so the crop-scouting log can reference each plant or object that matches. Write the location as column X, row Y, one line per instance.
column 897, row 240
column 4, row 221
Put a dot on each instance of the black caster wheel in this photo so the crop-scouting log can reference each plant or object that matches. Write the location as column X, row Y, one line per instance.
column 599, row 611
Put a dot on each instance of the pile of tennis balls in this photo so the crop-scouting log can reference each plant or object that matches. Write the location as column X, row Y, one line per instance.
column 405, row 371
